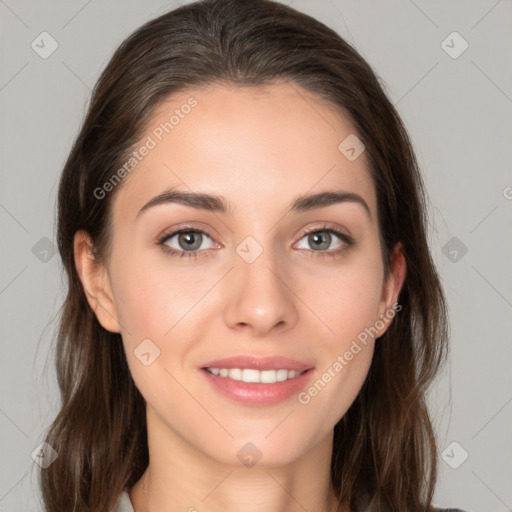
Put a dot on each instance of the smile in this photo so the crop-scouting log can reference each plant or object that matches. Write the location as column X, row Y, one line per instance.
column 254, row 375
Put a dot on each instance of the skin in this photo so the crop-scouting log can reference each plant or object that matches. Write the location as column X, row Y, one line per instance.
column 244, row 143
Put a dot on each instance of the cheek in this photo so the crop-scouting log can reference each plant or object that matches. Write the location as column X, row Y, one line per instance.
column 357, row 302
column 349, row 308
column 151, row 299
column 345, row 299
column 153, row 295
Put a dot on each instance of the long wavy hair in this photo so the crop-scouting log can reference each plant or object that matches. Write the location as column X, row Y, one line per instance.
column 385, row 449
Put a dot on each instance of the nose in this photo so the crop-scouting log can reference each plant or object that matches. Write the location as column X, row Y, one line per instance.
column 259, row 296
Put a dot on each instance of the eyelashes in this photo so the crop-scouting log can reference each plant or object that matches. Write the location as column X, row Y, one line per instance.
column 178, row 252
column 189, row 235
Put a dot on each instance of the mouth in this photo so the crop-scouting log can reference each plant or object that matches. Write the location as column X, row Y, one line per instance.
column 257, row 381
column 253, row 375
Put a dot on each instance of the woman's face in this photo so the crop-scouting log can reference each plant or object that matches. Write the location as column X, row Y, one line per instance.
column 261, row 271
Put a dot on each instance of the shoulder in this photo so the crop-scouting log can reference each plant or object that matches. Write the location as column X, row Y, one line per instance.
column 449, row 510
column 123, row 503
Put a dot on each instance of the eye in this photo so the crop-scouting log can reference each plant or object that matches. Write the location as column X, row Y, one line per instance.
column 186, row 242
column 191, row 242
column 326, row 240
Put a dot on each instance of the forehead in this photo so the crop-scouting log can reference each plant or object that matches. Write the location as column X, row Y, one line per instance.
column 248, row 144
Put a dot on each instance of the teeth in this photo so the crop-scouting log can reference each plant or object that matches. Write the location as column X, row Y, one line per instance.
column 252, row 375
column 246, row 375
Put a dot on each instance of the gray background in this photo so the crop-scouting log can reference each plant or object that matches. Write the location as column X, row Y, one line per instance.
column 457, row 111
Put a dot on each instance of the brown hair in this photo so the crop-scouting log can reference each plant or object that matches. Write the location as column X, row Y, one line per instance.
column 385, row 452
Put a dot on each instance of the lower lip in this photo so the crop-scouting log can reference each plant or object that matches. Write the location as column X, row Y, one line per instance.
column 254, row 393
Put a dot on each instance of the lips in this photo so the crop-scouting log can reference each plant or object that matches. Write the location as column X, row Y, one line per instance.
column 234, row 378
column 259, row 363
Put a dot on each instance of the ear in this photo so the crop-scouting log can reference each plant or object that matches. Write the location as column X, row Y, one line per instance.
column 391, row 289
column 95, row 281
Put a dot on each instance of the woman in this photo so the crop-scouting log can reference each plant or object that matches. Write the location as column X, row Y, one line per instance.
column 253, row 316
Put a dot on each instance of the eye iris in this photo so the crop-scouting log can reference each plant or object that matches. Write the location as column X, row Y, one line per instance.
column 188, row 238
column 320, row 240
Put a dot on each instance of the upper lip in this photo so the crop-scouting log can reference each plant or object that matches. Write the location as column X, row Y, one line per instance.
column 259, row 363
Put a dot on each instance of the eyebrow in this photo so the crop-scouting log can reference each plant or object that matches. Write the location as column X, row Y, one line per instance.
column 216, row 203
